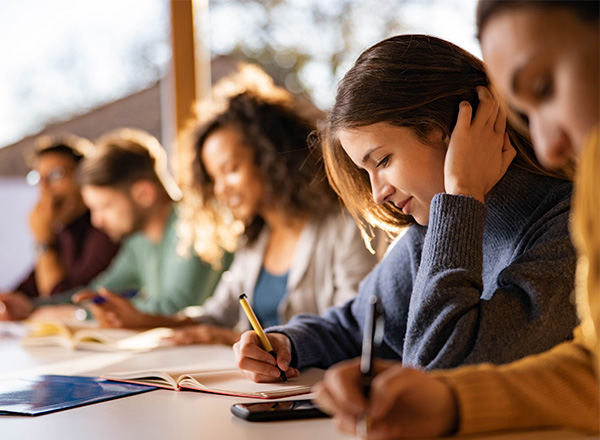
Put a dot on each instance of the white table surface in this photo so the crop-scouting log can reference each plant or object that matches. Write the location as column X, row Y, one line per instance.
column 160, row 414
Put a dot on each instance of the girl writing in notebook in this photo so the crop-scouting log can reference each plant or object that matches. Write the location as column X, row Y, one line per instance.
column 253, row 186
column 485, row 269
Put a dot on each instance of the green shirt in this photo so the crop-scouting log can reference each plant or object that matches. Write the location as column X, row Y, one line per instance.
column 167, row 281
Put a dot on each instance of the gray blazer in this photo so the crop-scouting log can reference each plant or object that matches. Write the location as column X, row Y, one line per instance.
column 329, row 262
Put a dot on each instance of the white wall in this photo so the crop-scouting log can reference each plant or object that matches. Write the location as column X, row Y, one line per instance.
column 16, row 245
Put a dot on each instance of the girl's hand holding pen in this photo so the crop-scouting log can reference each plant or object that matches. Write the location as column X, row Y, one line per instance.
column 403, row 402
column 259, row 365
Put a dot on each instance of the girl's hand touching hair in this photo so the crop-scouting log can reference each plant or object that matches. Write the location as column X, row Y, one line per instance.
column 479, row 151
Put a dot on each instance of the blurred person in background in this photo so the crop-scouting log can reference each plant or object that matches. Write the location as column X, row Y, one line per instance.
column 132, row 197
column 70, row 251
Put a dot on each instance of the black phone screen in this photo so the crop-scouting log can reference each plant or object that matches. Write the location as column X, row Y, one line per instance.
column 277, row 410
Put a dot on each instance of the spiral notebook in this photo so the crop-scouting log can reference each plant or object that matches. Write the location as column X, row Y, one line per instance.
column 45, row 394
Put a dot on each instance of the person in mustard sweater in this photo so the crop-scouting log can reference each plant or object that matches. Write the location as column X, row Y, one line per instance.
column 544, row 59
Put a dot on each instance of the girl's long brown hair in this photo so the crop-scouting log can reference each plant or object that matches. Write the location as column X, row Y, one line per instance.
column 413, row 81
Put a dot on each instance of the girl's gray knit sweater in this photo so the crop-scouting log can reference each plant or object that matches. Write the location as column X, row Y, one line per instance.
column 481, row 283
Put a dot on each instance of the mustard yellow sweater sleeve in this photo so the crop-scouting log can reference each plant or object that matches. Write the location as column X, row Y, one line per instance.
column 586, row 237
column 558, row 388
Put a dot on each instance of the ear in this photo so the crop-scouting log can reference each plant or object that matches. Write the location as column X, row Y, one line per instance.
column 446, row 140
column 438, row 139
column 144, row 193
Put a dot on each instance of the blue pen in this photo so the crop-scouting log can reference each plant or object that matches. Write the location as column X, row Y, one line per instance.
column 127, row 294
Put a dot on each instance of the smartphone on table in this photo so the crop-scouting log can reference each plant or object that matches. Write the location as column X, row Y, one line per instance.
column 277, row 410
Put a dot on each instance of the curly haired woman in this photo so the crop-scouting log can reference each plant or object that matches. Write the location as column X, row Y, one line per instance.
column 259, row 190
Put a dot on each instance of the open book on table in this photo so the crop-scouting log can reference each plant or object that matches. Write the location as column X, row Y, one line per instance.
column 227, row 380
column 88, row 336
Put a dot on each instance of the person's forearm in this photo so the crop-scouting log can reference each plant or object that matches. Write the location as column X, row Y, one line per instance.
column 557, row 388
column 48, row 271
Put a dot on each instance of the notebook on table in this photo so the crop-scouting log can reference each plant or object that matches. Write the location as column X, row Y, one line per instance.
column 87, row 336
column 45, row 394
column 227, row 380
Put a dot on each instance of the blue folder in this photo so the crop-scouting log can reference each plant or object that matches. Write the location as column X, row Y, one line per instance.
column 45, row 394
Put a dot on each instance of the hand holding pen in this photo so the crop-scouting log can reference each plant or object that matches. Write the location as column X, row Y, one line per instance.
column 347, row 389
column 252, row 352
column 112, row 309
column 260, row 332
column 386, row 400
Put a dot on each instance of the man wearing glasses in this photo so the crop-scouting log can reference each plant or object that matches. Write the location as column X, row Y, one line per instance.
column 69, row 250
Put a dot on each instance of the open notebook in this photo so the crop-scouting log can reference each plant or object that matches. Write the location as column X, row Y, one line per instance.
column 227, row 380
column 87, row 336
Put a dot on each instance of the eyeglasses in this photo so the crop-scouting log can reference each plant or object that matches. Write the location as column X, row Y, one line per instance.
column 52, row 178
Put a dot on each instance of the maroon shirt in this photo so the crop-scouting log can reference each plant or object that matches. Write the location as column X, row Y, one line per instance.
column 84, row 252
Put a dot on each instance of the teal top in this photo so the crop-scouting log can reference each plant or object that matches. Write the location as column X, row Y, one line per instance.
column 270, row 290
column 167, row 281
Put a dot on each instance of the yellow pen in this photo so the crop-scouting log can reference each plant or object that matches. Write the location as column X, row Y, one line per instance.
column 259, row 331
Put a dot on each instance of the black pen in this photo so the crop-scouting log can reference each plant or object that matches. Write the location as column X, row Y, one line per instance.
column 372, row 338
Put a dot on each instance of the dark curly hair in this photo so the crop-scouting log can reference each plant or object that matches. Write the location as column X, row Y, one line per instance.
column 277, row 131
column 294, row 174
